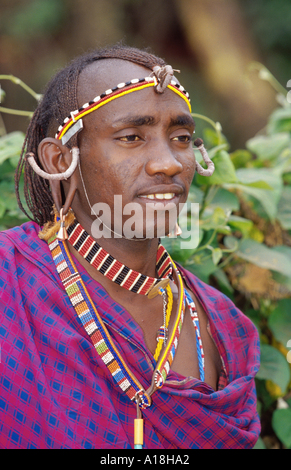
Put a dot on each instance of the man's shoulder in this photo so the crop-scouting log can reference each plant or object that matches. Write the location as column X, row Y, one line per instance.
column 22, row 240
column 19, row 234
column 25, row 259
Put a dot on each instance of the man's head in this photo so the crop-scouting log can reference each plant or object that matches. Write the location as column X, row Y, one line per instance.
column 60, row 98
column 141, row 141
column 137, row 146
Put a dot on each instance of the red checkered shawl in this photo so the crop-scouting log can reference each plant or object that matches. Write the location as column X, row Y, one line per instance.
column 55, row 392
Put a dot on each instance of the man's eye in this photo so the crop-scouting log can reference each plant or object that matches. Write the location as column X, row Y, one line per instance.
column 129, row 138
column 182, row 138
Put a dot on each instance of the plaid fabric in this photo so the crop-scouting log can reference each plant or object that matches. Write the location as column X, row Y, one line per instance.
column 56, row 393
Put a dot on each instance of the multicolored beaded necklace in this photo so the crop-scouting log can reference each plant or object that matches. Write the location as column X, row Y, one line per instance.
column 96, row 329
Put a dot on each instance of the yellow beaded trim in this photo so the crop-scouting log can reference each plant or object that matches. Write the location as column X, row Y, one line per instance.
column 168, row 315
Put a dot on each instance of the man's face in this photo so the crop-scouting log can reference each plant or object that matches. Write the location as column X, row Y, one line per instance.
column 137, row 147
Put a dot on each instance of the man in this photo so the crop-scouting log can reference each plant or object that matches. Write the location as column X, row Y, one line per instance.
column 106, row 343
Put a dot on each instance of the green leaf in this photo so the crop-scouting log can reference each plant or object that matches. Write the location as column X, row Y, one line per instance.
column 231, row 243
column 280, row 121
column 223, row 282
column 274, row 367
column 195, row 195
column 268, row 147
column 216, row 255
column 224, row 171
column 224, row 199
column 11, row 145
column 278, row 277
column 254, row 177
column 250, row 182
column 268, row 202
column 8, row 196
column 2, row 208
column 215, row 150
column 240, row 158
column 259, row 185
column 13, row 215
column 281, row 423
column 280, row 321
column 239, row 223
column 173, row 246
column 215, row 219
column 260, row 255
column 7, row 171
column 202, row 269
column 211, row 138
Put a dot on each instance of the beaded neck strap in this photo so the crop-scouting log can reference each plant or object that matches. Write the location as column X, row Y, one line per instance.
column 100, row 337
column 73, row 123
column 114, row 270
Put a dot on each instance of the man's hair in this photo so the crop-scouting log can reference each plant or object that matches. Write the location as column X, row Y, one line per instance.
column 59, row 99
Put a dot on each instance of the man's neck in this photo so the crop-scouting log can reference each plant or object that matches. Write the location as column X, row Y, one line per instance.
column 141, row 259
column 139, row 255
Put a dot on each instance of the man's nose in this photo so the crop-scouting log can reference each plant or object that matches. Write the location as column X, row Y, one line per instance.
column 163, row 160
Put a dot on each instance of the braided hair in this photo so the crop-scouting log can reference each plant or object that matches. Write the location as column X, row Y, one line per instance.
column 59, row 99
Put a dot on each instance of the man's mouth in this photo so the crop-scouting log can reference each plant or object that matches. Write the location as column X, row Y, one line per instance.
column 159, row 196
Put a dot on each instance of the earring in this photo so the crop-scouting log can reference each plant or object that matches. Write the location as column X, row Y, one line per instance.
column 58, row 176
column 62, row 233
column 176, row 232
column 210, row 165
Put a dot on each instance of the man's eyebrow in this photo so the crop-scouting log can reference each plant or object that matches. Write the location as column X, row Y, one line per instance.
column 135, row 121
column 183, row 120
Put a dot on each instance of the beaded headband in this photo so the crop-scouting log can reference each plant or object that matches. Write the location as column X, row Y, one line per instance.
column 161, row 78
column 73, row 123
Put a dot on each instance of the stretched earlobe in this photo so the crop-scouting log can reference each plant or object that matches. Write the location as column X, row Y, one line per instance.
column 57, row 195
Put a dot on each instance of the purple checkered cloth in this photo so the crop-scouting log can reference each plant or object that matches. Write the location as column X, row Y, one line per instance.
column 55, row 391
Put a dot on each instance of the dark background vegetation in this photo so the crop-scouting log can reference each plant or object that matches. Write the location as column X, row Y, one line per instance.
column 211, row 41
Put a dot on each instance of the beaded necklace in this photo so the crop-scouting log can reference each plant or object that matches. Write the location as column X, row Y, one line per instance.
column 116, row 271
column 101, row 339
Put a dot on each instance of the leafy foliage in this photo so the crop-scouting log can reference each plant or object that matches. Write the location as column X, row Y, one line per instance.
column 243, row 248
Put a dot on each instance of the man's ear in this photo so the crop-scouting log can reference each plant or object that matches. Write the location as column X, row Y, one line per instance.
column 53, row 156
column 56, row 158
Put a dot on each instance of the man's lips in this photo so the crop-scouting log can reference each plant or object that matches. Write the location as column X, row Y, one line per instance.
column 162, row 193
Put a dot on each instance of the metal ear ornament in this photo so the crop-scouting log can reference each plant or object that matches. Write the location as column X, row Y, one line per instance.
column 62, row 233
column 57, row 176
column 210, row 165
